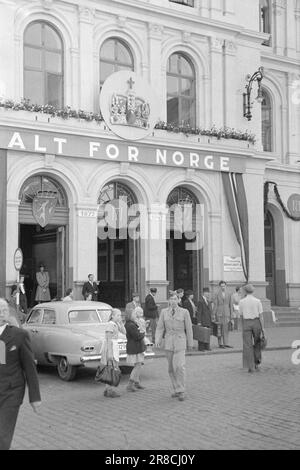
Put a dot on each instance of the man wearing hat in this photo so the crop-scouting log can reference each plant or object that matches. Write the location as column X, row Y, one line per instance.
column 251, row 312
column 133, row 304
column 151, row 311
column 188, row 303
column 204, row 317
column 222, row 313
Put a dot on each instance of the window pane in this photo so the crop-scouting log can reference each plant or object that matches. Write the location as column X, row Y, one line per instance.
column 186, row 87
column 51, row 38
column 105, row 71
column 33, row 86
column 54, row 90
column 173, row 63
column 53, row 62
column 33, row 34
column 185, row 67
column 188, row 112
column 49, row 317
column 107, row 50
column 123, row 54
column 32, row 57
column 172, row 109
column 172, row 85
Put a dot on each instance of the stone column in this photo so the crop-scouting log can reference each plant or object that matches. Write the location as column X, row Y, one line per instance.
column 155, row 33
column 290, row 31
column 74, row 77
column 217, row 105
column 279, row 39
column 85, row 245
column 86, row 73
column 3, row 190
column 156, row 265
column 231, row 84
column 293, row 151
column 297, row 34
column 12, row 224
column 9, row 58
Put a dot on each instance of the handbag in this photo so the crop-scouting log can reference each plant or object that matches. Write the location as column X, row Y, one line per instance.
column 109, row 374
column 263, row 341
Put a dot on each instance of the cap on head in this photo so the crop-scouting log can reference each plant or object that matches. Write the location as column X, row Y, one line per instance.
column 249, row 288
column 42, row 265
column 180, row 291
column 153, row 289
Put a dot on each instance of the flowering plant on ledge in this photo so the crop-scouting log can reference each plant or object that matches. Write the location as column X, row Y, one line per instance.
column 67, row 112
column 223, row 133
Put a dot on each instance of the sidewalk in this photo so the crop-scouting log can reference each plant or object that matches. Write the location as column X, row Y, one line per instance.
column 277, row 338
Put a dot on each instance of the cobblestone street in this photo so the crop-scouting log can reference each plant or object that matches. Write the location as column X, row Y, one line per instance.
column 226, row 408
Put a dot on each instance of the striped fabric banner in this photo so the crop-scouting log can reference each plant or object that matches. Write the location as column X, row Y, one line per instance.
column 238, row 210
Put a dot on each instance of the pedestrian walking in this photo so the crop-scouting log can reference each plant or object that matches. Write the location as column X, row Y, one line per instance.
column 17, row 368
column 22, row 296
column 151, row 311
column 110, row 347
column 175, row 326
column 235, row 299
column 69, row 295
column 141, row 322
column 223, row 312
column 253, row 327
column 90, row 289
column 17, row 317
column 135, row 351
column 188, row 303
column 42, row 292
column 204, row 317
column 180, row 295
column 133, row 304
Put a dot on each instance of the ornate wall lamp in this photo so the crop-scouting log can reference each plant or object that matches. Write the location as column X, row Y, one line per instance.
column 247, row 105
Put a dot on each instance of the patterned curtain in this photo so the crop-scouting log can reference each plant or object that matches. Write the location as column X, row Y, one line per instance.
column 238, row 210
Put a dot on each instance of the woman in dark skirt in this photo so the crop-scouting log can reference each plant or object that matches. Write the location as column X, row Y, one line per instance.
column 135, row 351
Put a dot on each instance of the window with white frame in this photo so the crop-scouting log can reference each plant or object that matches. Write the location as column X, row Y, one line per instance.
column 43, row 64
column 181, row 93
column 265, row 18
column 115, row 55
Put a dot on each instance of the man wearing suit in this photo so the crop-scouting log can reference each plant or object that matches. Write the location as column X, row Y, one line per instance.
column 223, row 312
column 132, row 305
column 17, row 367
column 151, row 311
column 175, row 326
column 204, row 316
column 90, row 289
column 22, row 296
column 188, row 303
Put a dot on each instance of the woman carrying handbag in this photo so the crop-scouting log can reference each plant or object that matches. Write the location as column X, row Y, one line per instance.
column 110, row 348
column 135, row 350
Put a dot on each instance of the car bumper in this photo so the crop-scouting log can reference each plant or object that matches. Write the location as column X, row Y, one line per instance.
column 97, row 357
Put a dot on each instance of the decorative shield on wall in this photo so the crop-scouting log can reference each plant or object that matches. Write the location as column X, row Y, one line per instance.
column 43, row 207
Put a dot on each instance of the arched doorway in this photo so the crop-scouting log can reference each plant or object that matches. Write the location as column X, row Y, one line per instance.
column 270, row 265
column 43, row 233
column 118, row 252
column 184, row 265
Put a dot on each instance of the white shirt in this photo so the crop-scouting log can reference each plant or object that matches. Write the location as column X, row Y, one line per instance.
column 22, row 288
column 2, row 328
column 250, row 307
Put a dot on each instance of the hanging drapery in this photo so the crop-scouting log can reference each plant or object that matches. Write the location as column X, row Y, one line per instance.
column 238, row 210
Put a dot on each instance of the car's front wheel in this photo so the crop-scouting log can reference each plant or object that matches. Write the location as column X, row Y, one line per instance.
column 65, row 370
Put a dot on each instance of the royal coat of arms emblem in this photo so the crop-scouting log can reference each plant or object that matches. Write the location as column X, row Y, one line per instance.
column 43, row 207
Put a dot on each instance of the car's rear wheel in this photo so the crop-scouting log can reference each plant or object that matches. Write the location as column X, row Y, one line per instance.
column 65, row 370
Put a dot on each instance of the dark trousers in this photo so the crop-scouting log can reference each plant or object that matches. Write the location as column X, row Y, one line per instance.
column 8, row 419
column 152, row 326
column 251, row 343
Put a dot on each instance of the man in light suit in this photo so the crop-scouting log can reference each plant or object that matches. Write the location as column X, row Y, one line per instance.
column 17, row 367
column 175, row 326
column 90, row 289
column 151, row 311
column 133, row 304
column 223, row 313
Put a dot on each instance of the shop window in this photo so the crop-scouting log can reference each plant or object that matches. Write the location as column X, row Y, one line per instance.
column 265, row 19
column 181, row 103
column 43, row 65
column 266, row 116
column 188, row 3
column 115, row 55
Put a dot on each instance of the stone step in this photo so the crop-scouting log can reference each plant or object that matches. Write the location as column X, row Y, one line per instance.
column 290, row 323
column 288, row 317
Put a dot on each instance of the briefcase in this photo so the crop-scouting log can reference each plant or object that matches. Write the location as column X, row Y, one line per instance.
column 201, row 333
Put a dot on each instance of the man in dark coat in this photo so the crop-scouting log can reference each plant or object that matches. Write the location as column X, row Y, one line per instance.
column 90, row 289
column 17, row 367
column 22, row 296
column 188, row 303
column 151, row 311
column 204, row 316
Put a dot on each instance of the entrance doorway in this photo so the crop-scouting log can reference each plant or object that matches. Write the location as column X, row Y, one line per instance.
column 270, row 265
column 118, row 254
column 44, row 239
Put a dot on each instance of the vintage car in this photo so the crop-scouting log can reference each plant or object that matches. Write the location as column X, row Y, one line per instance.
column 69, row 335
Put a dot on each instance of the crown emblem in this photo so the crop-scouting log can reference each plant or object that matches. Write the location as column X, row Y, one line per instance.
column 129, row 110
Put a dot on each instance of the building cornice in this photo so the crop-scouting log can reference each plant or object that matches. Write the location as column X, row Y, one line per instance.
column 270, row 59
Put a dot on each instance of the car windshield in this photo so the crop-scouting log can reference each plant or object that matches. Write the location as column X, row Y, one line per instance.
column 104, row 315
column 84, row 316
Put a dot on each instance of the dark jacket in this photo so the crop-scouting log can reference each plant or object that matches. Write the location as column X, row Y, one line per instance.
column 150, row 308
column 88, row 288
column 187, row 304
column 204, row 313
column 135, row 343
column 19, row 368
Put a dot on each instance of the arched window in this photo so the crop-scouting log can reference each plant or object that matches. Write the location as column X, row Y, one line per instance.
column 265, row 18
column 266, row 116
column 42, row 186
column 181, row 103
column 43, row 65
column 182, row 197
column 115, row 55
